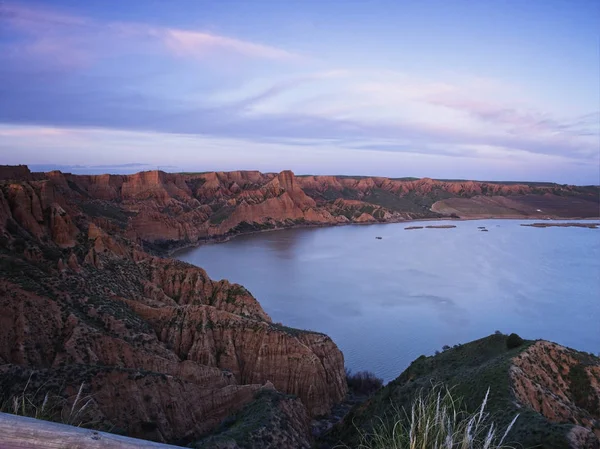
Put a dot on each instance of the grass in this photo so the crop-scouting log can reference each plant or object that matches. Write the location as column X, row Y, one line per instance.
column 581, row 389
column 291, row 330
column 436, row 420
column 49, row 406
column 414, row 203
column 108, row 210
column 221, row 215
column 253, row 426
column 471, row 369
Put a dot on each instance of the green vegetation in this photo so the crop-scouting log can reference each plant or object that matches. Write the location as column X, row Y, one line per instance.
column 105, row 209
column 436, row 420
column 77, row 189
column 244, row 227
column 513, row 341
column 363, row 383
column 191, row 173
column 221, row 215
column 291, row 330
column 254, row 426
column 470, row 370
column 581, row 389
column 117, row 309
column 30, row 276
column 413, row 203
column 428, row 199
column 49, row 406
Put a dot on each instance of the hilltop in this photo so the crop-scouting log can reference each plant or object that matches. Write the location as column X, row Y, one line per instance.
column 554, row 390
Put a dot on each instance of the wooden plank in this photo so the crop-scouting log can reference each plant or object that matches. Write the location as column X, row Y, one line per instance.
column 19, row 432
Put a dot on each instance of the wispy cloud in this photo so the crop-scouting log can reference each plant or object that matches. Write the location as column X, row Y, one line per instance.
column 83, row 109
column 96, row 84
column 26, row 131
column 522, row 120
column 202, row 45
column 33, row 19
column 57, row 34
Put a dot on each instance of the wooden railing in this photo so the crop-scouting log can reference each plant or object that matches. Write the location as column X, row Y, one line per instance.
column 19, row 432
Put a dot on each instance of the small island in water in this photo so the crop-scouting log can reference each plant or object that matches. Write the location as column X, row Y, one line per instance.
column 408, row 228
column 562, row 225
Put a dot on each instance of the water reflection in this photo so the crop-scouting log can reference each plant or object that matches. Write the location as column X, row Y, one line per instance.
column 385, row 302
column 284, row 244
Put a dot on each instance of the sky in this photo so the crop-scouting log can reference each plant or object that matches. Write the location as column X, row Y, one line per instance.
column 491, row 90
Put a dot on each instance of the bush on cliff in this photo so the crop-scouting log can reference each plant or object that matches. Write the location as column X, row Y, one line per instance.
column 49, row 406
column 513, row 341
column 436, row 420
column 363, row 382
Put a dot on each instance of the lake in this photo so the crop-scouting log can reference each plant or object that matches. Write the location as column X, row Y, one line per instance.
column 387, row 301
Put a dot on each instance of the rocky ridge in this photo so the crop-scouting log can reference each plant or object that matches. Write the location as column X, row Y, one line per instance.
column 555, row 391
column 165, row 352
column 166, row 210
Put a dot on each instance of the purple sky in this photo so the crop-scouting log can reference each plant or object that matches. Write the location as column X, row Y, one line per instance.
column 482, row 90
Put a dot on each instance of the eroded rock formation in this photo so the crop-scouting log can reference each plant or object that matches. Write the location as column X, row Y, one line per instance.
column 165, row 352
column 562, row 385
column 164, row 210
column 553, row 391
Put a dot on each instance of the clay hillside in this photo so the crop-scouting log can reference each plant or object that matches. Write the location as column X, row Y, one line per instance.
column 163, row 210
column 162, row 351
column 555, row 391
column 165, row 352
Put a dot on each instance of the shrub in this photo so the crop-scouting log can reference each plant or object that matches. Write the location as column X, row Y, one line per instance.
column 513, row 341
column 581, row 389
column 363, row 382
column 445, row 347
column 51, row 407
column 436, row 420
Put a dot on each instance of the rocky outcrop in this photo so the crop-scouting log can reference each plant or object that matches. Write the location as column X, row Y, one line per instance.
column 165, row 351
column 552, row 390
column 165, row 210
column 64, row 232
column 15, row 173
column 26, row 208
column 139, row 403
column 305, row 364
column 560, row 384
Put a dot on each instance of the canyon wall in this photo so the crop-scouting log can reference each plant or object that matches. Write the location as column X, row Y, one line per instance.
column 164, row 351
column 166, row 210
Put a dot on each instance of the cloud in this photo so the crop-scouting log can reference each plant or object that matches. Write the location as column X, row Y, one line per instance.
column 201, row 45
column 37, row 19
column 80, row 39
column 522, row 120
column 32, row 132
column 71, row 107
column 357, row 110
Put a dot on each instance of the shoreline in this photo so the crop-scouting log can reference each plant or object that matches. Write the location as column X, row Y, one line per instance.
column 223, row 238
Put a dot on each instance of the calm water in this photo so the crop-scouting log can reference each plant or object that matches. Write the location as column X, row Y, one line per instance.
column 385, row 302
